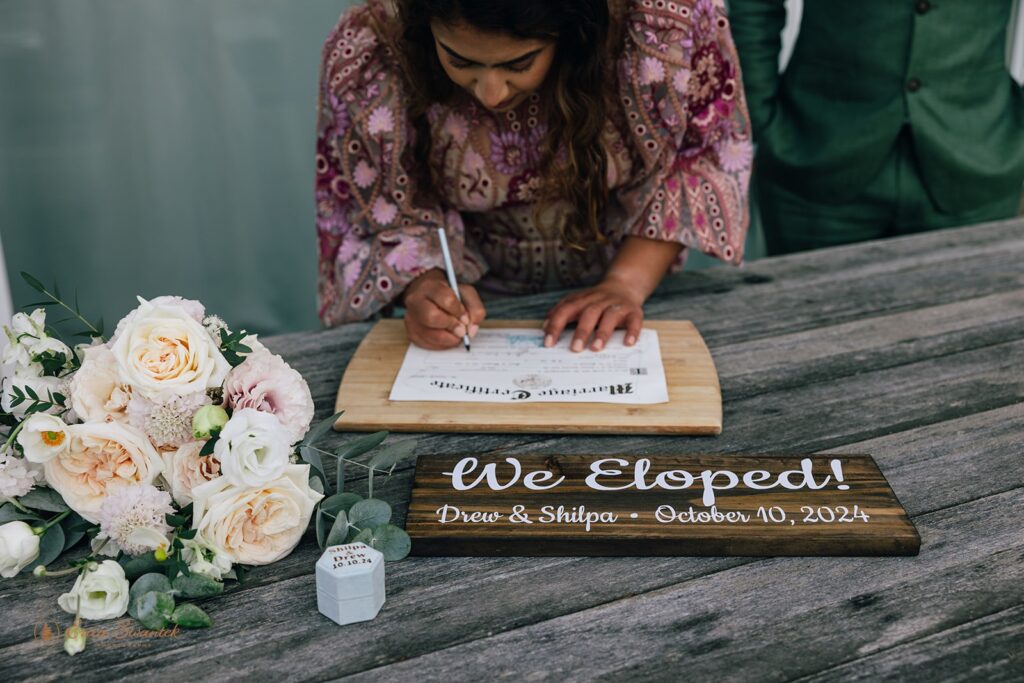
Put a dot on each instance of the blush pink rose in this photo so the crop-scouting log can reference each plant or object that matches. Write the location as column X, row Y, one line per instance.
column 264, row 382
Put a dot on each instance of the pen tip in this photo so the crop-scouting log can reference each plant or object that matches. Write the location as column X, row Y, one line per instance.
column 467, row 347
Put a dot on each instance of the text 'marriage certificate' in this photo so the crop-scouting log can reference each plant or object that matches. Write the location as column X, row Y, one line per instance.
column 512, row 366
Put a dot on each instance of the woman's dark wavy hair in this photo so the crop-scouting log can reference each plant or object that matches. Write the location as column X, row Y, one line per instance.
column 577, row 84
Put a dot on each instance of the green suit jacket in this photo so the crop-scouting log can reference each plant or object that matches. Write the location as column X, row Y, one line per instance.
column 860, row 71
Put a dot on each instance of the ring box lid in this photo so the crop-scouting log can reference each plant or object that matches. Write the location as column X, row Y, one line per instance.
column 350, row 571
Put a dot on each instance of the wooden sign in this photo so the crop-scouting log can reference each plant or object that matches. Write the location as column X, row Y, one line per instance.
column 656, row 505
column 694, row 406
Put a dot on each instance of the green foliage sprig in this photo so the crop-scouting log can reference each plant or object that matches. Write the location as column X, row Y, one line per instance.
column 346, row 517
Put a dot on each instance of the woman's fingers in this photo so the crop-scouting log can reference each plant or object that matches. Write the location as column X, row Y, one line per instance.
column 474, row 308
column 611, row 319
column 634, row 323
column 588, row 319
column 563, row 313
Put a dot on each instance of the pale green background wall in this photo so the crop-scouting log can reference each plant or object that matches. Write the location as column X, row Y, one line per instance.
column 165, row 146
column 158, row 146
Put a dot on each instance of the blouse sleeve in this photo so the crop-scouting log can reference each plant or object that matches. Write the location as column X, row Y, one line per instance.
column 374, row 238
column 683, row 99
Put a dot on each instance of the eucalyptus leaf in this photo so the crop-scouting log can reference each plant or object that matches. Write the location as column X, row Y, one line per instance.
column 197, row 586
column 316, row 484
column 143, row 564
column 363, row 444
column 339, row 530
column 315, row 461
column 320, row 428
column 9, row 513
column 147, row 583
column 392, row 541
column 73, row 530
column 321, row 530
column 340, row 502
column 154, row 610
column 51, row 545
column 43, row 499
column 387, row 458
column 365, row 537
column 369, row 513
column 190, row 616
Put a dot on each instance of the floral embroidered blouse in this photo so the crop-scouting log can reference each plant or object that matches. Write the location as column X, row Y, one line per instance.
column 678, row 148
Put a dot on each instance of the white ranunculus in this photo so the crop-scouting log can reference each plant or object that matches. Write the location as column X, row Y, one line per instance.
column 253, row 448
column 19, row 547
column 258, row 525
column 43, row 437
column 162, row 351
column 97, row 392
column 101, row 455
column 184, row 469
column 44, row 387
column 98, row 594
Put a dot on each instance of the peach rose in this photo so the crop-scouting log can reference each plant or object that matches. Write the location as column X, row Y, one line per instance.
column 258, row 525
column 185, row 469
column 99, row 456
column 97, row 393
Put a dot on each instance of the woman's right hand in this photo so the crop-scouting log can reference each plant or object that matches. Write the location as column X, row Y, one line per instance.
column 434, row 318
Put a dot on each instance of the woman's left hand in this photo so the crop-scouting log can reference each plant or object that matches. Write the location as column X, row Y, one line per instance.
column 598, row 310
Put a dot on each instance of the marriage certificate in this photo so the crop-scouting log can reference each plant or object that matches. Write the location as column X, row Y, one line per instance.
column 513, row 366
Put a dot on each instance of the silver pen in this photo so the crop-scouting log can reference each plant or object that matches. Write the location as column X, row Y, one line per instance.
column 450, row 270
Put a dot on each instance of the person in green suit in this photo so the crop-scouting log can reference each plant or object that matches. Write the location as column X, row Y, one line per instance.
column 892, row 117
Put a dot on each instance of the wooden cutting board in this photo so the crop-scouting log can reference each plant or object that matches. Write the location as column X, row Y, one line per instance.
column 694, row 406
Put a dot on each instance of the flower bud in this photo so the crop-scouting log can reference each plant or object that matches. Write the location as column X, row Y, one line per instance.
column 74, row 639
column 208, row 421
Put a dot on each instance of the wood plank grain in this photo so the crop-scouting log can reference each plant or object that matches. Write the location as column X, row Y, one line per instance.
column 771, row 620
column 987, row 648
column 508, row 594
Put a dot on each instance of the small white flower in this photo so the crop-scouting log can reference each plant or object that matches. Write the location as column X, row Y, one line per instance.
column 214, row 324
column 203, row 558
column 132, row 519
column 253, row 448
column 17, row 477
column 99, row 593
column 19, row 547
column 43, row 437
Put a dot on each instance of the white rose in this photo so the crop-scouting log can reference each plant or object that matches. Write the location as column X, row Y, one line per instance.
column 98, row 594
column 19, row 547
column 184, row 469
column 162, row 352
column 43, row 437
column 205, row 560
column 44, row 387
column 101, row 455
column 254, row 447
column 193, row 308
column 257, row 525
column 97, row 392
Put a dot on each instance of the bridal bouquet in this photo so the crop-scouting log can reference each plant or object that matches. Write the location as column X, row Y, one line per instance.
column 176, row 447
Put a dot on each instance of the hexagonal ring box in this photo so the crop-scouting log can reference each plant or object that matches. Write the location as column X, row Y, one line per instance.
column 350, row 583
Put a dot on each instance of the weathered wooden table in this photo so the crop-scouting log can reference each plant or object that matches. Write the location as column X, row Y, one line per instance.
column 909, row 349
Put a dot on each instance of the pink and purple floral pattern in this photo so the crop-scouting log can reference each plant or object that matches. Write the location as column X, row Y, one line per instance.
column 678, row 146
